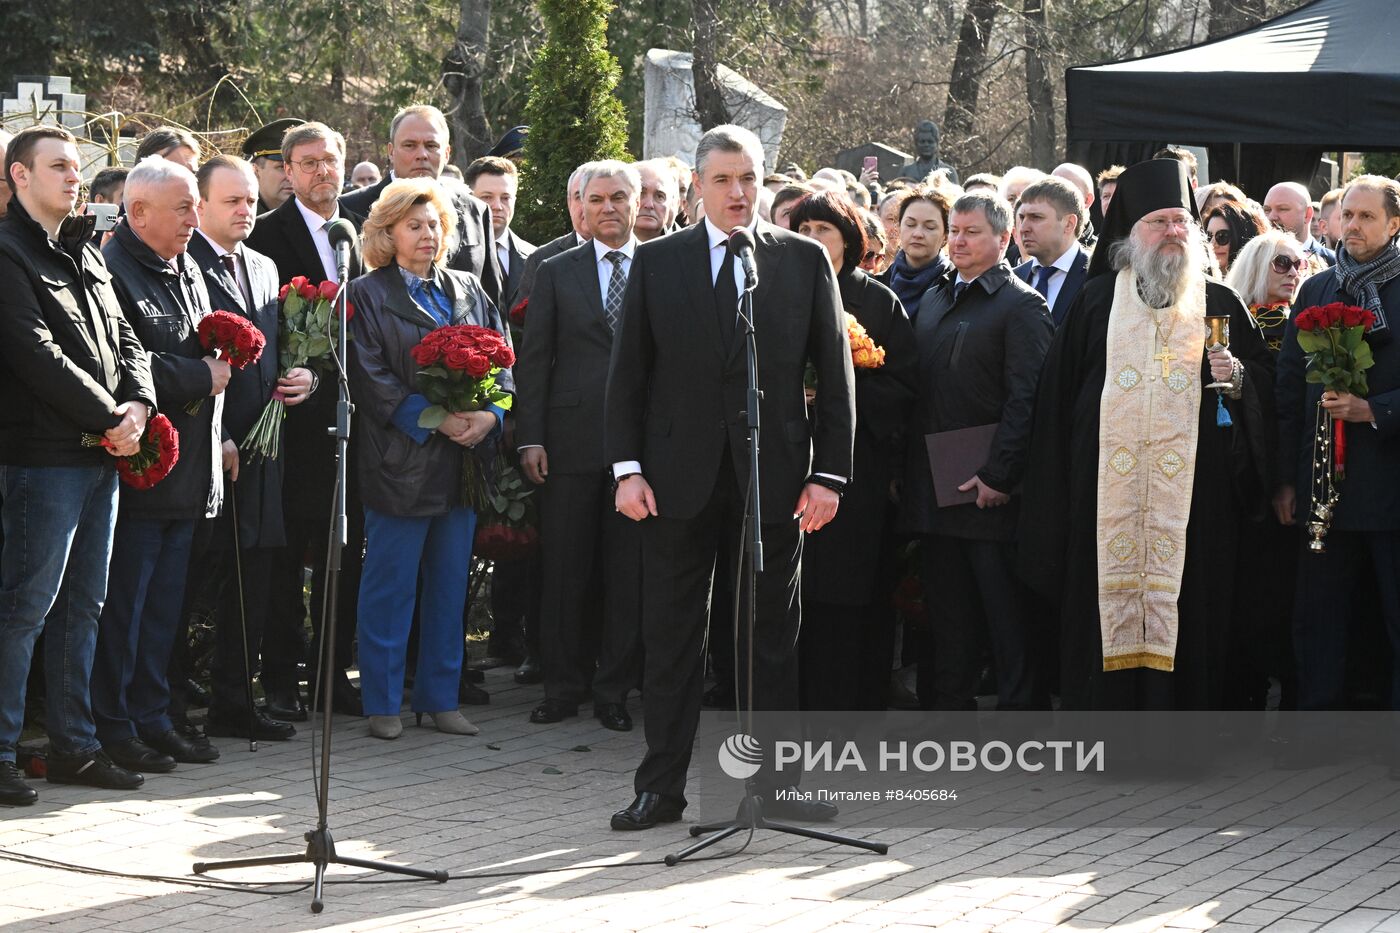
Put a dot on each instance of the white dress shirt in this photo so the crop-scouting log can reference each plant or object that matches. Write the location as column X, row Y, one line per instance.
column 245, row 288
column 503, row 253
column 1057, row 278
column 316, row 226
column 605, row 266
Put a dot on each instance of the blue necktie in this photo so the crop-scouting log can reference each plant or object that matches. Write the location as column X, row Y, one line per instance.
column 1042, row 282
column 958, row 289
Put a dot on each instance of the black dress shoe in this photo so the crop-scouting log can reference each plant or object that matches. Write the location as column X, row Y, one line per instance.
column 284, row 702
column 472, row 695
column 648, row 810
column 186, row 751
column 529, row 671
column 553, row 711
column 95, row 770
column 613, row 716
column 473, row 676
column 344, row 697
column 720, row 696
column 135, row 755
column 14, row 792
column 806, row 811
column 234, row 724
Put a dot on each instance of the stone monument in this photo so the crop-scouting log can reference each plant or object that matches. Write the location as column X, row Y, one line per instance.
column 926, row 159
column 49, row 100
column 669, row 125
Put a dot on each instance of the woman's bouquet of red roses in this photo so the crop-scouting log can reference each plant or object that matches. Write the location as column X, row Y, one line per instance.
column 1333, row 338
column 160, row 451
column 460, row 365
column 232, row 338
column 307, row 330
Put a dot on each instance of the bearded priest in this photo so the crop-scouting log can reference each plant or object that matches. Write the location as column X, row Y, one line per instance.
column 1139, row 474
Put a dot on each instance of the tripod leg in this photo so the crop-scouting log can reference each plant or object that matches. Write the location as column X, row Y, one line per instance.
column 703, row 828
column 705, row 843
column 202, row 867
column 430, row 874
column 316, row 889
column 877, row 847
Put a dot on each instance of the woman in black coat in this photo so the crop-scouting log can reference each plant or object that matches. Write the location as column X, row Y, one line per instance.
column 847, row 639
column 416, row 522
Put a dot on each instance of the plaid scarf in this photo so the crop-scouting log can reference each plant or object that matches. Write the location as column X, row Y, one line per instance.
column 1362, row 280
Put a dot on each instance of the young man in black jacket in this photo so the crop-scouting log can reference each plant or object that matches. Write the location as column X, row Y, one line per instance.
column 72, row 367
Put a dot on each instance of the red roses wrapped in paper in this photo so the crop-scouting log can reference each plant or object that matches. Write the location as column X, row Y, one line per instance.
column 233, row 339
column 160, row 451
column 460, row 365
column 1333, row 340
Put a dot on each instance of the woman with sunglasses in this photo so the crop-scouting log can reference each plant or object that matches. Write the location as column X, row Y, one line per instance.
column 1266, row 274
column 1229, row 226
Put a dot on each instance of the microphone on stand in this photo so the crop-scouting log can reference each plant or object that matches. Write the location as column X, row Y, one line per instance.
column 342, row 234
column 741, row 244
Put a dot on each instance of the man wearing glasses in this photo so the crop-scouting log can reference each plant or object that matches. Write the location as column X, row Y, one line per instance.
column 1138, row 472
column 295, row 237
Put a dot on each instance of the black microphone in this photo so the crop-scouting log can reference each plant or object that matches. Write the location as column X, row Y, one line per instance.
column 741, row 244
column 342, row 234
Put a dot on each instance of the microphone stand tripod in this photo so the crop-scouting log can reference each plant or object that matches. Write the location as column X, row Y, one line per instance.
column 750, row 813
column 320, row 846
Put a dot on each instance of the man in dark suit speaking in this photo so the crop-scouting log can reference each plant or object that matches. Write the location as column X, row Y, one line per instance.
column 676, row 437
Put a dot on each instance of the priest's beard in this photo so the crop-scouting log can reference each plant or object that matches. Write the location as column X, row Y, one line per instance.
column 1165, row 270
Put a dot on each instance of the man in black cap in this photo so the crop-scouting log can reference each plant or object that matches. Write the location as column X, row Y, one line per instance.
column 1140, row 475
column 263, row 148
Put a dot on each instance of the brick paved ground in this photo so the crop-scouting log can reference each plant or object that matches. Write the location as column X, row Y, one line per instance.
column 532, row 799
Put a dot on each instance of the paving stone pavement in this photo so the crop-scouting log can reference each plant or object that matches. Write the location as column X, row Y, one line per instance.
column 524, row 809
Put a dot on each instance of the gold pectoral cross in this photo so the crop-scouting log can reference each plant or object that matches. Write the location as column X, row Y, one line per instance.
column 1166, row 356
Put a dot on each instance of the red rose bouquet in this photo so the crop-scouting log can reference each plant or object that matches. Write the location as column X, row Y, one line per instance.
column 1333, row 337
column 460, row 365
column 160, row 451
column 307, row 330
column 506, row 523
column 232, row 338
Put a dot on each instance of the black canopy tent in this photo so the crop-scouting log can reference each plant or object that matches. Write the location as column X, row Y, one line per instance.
column 1266, row 101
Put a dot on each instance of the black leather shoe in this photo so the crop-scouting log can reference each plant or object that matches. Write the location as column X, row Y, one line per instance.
column 95, row 770
column 284, row 702
column 235, row 725
column 14, row 792
column 613, row 716
column 553, row 711
column 720, row 696
column 529, row 671
column 135, row 755
column 344, row 697
column 183, row 750
column 648, row 810
column 472, row 695
column 805, row 811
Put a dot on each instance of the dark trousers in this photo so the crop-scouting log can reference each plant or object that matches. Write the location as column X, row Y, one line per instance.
column 515, row 605
column 138, row 625
column 590, row 625
column 230, row 680
column 1327, row 585
column 678, row 567
column 971, row 589
column 284, row 646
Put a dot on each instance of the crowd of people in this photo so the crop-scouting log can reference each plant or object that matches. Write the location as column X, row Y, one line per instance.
column 1099, row 506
